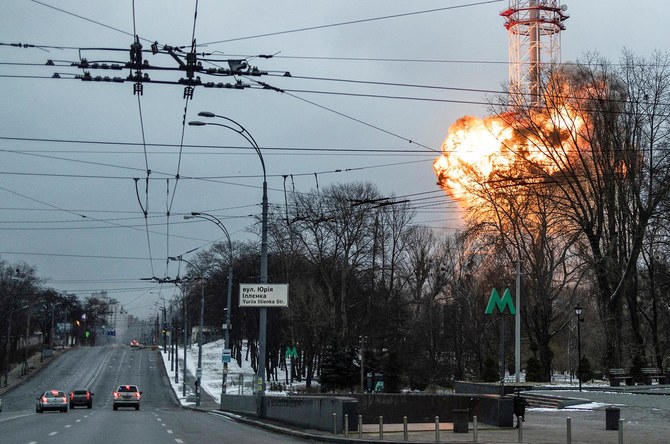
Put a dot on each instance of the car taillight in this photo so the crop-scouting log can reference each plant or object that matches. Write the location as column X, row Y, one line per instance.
column 116, row 395
column 88, row 396
column 64, row 399
column 71, row 396
column 137, row 395
column 43, row 399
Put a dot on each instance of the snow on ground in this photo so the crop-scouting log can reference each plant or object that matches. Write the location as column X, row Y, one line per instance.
column 240, row 379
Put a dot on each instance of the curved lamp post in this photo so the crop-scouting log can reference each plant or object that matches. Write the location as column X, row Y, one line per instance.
column 226, row 332
column 239, row 129
column 198, row 371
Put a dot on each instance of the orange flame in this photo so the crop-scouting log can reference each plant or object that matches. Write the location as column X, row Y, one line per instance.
column 477, row 151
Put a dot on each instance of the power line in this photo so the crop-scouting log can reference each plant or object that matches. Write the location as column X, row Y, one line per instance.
column 353, row 22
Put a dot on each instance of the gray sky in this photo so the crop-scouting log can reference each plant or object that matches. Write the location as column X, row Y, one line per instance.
column 70, row 150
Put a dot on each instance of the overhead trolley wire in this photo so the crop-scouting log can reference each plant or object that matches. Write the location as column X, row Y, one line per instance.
column 353, row 22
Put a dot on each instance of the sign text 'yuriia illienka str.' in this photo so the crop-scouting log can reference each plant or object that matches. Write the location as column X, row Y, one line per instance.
column 263, row 295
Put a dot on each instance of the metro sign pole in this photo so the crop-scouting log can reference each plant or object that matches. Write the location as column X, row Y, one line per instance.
column 506, row 302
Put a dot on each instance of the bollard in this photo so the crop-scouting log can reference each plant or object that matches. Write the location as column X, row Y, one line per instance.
column 334, row 423
column 360, row 426
column 568, row 424
column 474, row 428
column 346, row 425
column 520, row 425
column 381, row 427
column 437, row 429
column 621, row 431
column 405, row 435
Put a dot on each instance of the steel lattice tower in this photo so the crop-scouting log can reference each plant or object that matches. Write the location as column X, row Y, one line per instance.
column 534, row 28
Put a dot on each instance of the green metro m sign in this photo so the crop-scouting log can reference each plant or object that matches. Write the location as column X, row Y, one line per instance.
column 501, row 303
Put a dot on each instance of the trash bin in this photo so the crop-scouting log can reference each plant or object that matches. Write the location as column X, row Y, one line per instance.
column 612, row 415
column 461, row 420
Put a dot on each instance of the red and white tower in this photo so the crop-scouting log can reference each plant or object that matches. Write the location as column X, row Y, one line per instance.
column 534, row 28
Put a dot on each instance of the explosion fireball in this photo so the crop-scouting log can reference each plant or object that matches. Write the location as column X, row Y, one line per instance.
column 478, row 151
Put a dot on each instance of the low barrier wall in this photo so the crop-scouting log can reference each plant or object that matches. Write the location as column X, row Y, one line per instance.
column 244, row 404
column 316, row 411
column 420, row 407
column 312, row 412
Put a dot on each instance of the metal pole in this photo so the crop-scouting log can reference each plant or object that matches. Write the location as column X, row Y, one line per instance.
column 226, row 344
column 198, row 371
column 185, row 340
column 7, row 347
column 176, row 354
column 362, row 364
column 517, row 325
column 568, row 422
column 263, row 318
column 579, row 352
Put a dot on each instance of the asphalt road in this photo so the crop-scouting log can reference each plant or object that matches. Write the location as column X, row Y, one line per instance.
column 101, row 369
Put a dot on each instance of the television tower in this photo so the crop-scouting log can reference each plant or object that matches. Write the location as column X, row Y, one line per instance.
column 534, row 28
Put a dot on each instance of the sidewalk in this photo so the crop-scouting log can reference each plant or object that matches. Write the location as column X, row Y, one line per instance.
column 35, row 363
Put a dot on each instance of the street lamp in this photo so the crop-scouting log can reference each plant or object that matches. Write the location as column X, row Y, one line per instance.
column 8, row 341
column 198, row 371
column 239, row 129
column 226, row 332
column 578, row 312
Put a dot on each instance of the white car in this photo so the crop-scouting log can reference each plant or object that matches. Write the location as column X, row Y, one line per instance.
column 127, row 396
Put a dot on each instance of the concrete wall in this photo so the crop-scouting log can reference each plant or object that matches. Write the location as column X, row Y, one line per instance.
column 244, row 404
column 316, row 411
column 419, row 407
column 312, row 412
column 305, row 411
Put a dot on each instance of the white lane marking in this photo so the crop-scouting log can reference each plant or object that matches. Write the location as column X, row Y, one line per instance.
column 69, row 425
column 53, row 433
column 169, row 431
column 79, row 420
column 179, row 441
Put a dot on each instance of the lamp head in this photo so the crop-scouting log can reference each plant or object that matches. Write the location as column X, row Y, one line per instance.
column 206, row 114
column 196, row 123
column 578, row 310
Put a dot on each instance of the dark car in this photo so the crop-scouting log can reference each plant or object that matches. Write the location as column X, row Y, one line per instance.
column 81, row 397
column 52, row 400
column 127, row 396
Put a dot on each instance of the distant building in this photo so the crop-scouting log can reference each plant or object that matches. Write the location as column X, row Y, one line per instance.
column 116, row 320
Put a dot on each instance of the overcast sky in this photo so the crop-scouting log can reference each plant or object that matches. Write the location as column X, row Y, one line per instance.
column 70, row 151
